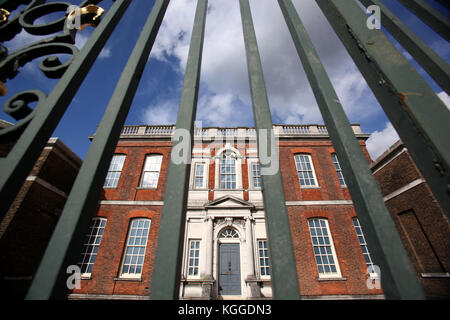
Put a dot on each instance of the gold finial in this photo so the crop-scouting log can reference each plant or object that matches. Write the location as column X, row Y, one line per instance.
column 85, row 14
column 4, row 14
column 90, row 8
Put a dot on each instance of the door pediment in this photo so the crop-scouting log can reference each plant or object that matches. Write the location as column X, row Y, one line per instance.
column 229, row 202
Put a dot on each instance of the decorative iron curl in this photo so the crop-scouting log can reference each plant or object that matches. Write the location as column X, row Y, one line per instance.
column 51, row 66
column 18, row 107
column 11, row 27
column 28, row 18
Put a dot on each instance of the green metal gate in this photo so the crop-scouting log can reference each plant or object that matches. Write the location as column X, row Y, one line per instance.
column 418, row 115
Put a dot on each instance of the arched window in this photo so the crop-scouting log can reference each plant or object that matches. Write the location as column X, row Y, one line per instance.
column 134, row 252
column 229, row 234
column 323, row 247
column 228, row 171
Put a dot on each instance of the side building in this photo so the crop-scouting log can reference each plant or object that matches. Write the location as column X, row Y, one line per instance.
column 226, row 252
column 422, row 225
column 29, row 223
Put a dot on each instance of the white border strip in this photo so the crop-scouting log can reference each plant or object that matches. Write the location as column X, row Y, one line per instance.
column 132, row 203
column 319, row 203
column 403, row 189
column 389, row 161
column 47, row 185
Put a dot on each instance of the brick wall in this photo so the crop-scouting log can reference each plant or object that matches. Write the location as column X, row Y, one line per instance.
column 105, row 278
column 29, row 223
column 129, row 182
column 348, row 250
column 422, row 225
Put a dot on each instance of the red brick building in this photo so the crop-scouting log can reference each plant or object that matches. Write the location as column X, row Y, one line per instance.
column 422, row 225
column 29, row 223
column 226, row 249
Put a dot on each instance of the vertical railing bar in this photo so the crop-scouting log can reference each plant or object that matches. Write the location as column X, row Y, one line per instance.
column 65, row 244
column 432, row 63
column 167, row 267
column 414, row 109
column 398, row 277
column 22, row 157
column 429, row 15
column 284, row 272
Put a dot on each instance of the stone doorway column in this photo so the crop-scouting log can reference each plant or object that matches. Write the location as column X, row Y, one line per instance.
column 208, row 279
column 254, row 291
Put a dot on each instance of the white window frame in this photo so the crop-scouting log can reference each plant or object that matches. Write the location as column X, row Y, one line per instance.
column 323, row 249
column 114, row 171
column 228, row 233
column 234, row 174
column 91, row 245
column 364, row 248
column 303, row 170
column 194, row 175
column 263, row 256
column 135, row 248
column 193, row 259
column 253, row 176
column 153, row 170
column 338, row 168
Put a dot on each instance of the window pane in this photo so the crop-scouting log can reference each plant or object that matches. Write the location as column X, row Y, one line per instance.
column 150, row 174
column 194, row 257
column 256, row 174
column 263, row 252
column 337, row 166
column 228, row 172
column 92, row 242
column 199, row 175
column 135, row 250
column 229, row 233
column 115, row 168
column 323, row 250
column 305, row 170
column 363, row 244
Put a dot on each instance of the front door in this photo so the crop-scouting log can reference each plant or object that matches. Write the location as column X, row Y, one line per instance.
column 230, row 269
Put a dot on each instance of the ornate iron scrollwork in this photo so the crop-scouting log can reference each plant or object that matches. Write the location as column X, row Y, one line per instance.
column 19, row 108
column 61, row 43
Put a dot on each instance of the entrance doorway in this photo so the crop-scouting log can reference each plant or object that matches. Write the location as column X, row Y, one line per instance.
column 229, row 269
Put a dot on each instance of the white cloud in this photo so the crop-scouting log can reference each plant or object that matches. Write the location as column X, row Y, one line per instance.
column 222, row 110
column 80, row 41
column 380, row 141
column 163, row 113
column 24, row 39
column 224, row 69
column 105, row 53
column 21, row 40
column 174, row 34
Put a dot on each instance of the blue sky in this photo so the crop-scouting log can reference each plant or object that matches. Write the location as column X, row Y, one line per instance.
column 224, row 98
